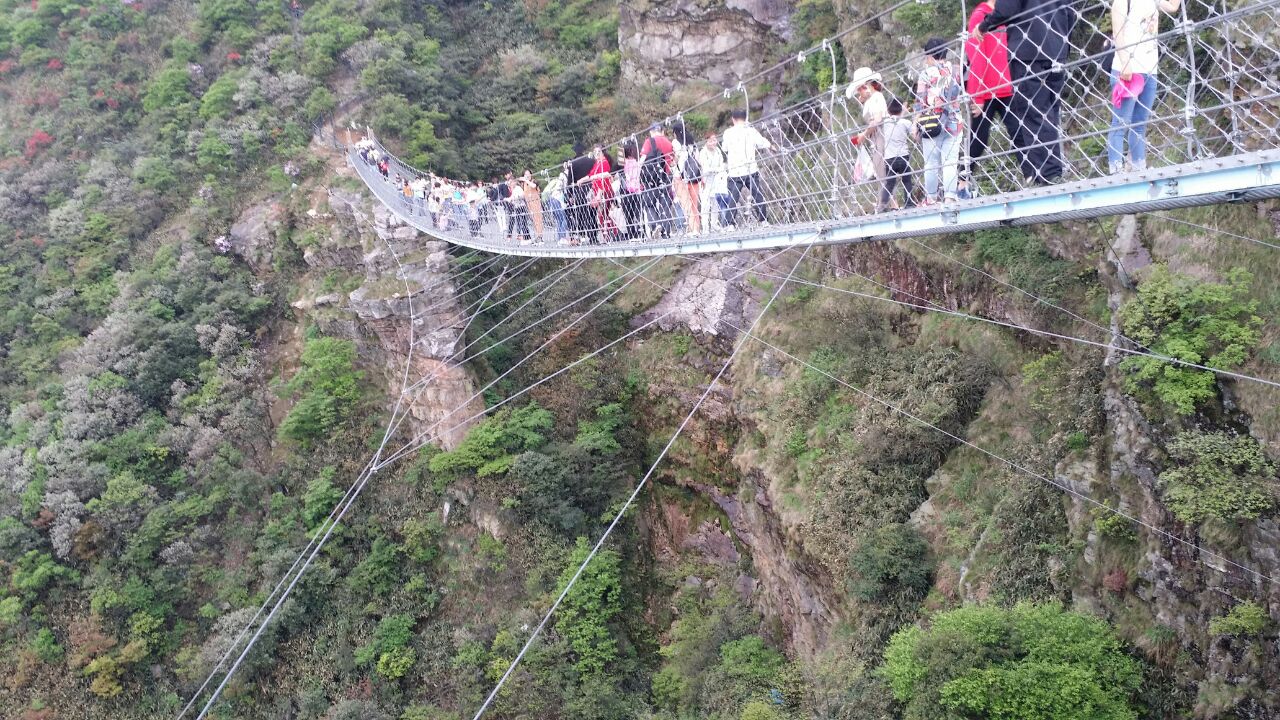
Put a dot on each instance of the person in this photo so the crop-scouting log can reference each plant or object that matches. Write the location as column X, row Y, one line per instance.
column 898, row 135
column 518, row 219
column 940, row 123
column 867, row 86
column 632, row 192
column 688, row 177
column 433, row 203
column 1037, row 32
column 1135, row 25
column 741, row 143
column 420, row 194
column 601, row 196
column 987, row 84
column 657, row 156
column 533, row 201
column 582, row 219
column 406, row 189
column 715, row 175
column 553, row 197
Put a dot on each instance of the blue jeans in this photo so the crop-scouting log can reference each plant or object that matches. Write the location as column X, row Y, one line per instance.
column 1130, row 119
column 941, row 156
column 557, row 213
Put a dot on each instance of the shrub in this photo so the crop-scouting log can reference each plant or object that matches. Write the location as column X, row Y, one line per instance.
column 1218, row 476
column 38, row 141
column 891, row 558
column 1032, row 662
column 491, row 447
column 1211, row 324
column 594, row 602
column 327, row 387
column 1244, row 620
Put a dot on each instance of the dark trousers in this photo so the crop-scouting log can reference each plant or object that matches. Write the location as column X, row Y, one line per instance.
column 581, row 216
column 897, row 169
column 1036, row 106
column 632, row 210
column 980, row 140
column 752, row 183
column 657, row 201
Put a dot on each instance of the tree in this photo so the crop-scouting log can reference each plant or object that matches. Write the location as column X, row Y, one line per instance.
column 594, row 602
column 1031, row 662
column 1210, row 324
column 1217, row 475
column 1244, row 620
column 327, row 387
column 892, row 557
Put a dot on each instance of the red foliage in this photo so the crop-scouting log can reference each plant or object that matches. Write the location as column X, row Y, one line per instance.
column 54, row 64
column 1117, row 581
column 113, row 103
column 233, row 56
column 7, row 65
column 38, row 141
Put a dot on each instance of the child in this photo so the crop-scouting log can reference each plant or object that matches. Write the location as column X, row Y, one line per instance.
column 897, row 155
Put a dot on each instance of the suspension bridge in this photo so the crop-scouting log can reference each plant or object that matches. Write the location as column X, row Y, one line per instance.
column 1212, row 137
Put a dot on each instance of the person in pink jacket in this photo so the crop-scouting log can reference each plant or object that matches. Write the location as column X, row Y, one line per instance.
column 988, row 84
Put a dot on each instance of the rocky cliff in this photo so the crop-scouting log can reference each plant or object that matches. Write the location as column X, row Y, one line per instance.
column 672, row 43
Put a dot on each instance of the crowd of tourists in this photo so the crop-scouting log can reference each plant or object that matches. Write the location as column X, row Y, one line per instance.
column 675, row 182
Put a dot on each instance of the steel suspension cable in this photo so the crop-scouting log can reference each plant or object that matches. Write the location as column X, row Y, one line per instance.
column 617, row 518
column 1034, row 331
column 1155, row 529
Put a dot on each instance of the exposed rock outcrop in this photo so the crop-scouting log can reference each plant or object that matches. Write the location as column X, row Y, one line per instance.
column 673, row 42
column 405, row 315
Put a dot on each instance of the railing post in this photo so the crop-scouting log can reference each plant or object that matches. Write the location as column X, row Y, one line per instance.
column 1189, row 109
column 1232, row 74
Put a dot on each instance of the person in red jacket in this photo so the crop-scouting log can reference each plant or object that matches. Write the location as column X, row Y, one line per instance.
column 988, row 83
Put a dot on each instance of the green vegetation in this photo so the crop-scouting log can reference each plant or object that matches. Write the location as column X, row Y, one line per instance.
column 1210, row 324
column 327, row 389
column 1244, row 620
column 1030, row 662
column 1216, row 475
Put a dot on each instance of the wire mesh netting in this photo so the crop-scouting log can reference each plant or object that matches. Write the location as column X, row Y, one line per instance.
column 1057, row 92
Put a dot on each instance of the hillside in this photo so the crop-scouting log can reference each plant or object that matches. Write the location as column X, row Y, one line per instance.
column 209, row 323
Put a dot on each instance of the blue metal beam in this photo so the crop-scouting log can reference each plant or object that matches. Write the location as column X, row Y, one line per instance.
column 1244, row 177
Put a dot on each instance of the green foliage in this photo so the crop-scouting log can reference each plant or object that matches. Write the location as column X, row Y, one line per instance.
column 327, row 388
column 46, row 647
column 1114, row 527
column 599, row 435
column 389, row 649
column 219, row 100
column 10, row 610
column 1220, row 476
column 379, row 572
column 1017, row 250
column 1244, row 620
column 892, row 558
column 588, row 609
column 169, row 90
column 1210, row 324
column 35, row 572
column 491, row 447
column 320, row 498
column 749, row 660
column 761, row 710
column 1029, row 662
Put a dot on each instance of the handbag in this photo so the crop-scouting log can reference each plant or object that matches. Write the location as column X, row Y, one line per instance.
column 692, row 170
column 930, row 123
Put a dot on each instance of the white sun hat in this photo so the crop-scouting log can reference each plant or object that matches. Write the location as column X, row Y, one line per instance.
column 861, row 76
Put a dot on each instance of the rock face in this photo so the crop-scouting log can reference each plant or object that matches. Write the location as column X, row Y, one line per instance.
column 672, row 42
column 406, row 314
column 253, row 236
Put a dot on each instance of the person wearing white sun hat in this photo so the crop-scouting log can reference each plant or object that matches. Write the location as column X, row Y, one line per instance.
column 867, row 87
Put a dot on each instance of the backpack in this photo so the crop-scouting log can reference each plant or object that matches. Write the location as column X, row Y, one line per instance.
column 654, row 166
column 692, row 170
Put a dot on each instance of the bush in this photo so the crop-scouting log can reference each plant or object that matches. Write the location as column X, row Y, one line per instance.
column 492, row 447
column 1244, row 620
column 1032, row 662
column 594, row 602
column 1218, row 476
column 892, row 558
column 1211, row 324
column 327, row 387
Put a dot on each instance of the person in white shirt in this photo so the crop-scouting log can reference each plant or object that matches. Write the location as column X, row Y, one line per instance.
column 741, row 142
column 716, row 177
column 1136, row 24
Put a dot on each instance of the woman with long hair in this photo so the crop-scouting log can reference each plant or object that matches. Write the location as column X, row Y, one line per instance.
column 533, row 201
column 601, row 195
column 687, row 180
